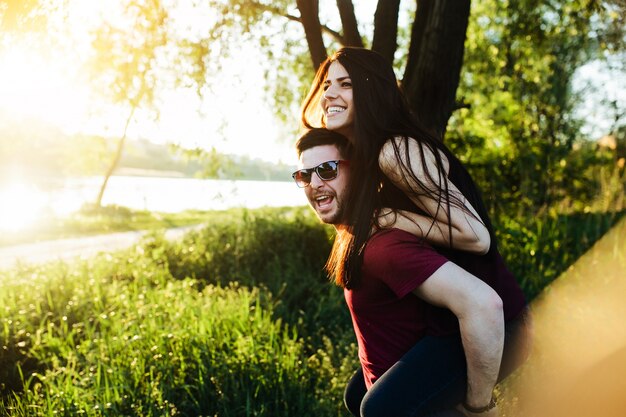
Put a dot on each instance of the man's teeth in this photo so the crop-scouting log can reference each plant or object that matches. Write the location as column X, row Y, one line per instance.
column 335, row 109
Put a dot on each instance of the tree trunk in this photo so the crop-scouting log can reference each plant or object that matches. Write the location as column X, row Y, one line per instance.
column 309, row 10
column 435, row 58
column 386, row 28
column 116, row 159
column 351, row 36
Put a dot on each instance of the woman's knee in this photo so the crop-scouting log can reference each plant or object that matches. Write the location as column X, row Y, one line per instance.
column 354, row 392
column 373, row 406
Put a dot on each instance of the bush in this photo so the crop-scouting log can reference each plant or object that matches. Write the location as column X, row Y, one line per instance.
column 539, row 249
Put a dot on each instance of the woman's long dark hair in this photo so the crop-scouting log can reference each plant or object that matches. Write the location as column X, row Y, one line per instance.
column 381, row 112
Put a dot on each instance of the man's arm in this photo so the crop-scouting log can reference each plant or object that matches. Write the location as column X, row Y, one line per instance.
column 479, row 311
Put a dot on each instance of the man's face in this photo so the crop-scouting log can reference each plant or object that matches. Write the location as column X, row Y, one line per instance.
column 326, row 197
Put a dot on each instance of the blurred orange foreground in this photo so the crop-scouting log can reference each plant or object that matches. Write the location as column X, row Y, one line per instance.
column 578, row 364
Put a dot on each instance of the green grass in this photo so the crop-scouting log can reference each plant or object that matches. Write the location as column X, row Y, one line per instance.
column 155, row 330
column 92, row 221
column 236, row 319
column 539, row 249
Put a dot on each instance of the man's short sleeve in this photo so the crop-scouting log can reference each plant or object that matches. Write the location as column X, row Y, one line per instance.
column 400, row 260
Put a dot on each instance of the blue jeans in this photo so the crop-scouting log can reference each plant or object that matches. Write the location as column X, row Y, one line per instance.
column 431, row 378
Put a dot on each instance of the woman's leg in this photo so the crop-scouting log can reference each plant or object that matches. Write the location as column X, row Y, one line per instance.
column 354, row 393
column 430, row 377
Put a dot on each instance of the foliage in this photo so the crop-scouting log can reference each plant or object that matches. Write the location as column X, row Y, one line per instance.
column 215, row 165
column 268, row 27
column 281, row 250
column 587, row 179
column 516, row 84
column 125, row 58
column 519, row 64
column 40, row 150
column 538, row 250
column 32, row 15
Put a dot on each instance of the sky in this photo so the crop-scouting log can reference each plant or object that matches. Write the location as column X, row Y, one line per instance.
column 595, row 82
column 40, row 84
column 37, row 82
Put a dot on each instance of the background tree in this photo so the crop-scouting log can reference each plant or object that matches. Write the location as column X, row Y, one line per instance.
column 431, row 63
column 514, row 67
column 125, row 66
column 520, row 62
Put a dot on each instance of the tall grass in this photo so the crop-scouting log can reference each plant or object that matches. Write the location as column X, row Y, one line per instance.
column 123, row 335
column 539, row 249
column 237, row 319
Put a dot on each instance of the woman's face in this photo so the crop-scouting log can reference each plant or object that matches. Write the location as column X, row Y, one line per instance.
column 336, row 101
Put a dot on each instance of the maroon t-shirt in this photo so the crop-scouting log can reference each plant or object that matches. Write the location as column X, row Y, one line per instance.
column 389, row 319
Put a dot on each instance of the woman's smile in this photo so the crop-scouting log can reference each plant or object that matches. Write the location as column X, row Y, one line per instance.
column 337, row 101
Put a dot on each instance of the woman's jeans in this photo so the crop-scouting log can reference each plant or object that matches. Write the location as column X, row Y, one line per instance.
column 431, row 379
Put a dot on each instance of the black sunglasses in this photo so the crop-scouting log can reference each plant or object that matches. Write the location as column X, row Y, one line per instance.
column 326, row 171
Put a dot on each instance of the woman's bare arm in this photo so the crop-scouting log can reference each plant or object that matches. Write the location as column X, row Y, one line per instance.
column 468, row 231
column 436, row 234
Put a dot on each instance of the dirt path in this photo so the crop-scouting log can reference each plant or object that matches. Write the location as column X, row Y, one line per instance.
column 65, row 249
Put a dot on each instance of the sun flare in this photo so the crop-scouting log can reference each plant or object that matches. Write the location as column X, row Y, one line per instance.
column 35, row 84
column 20, row 207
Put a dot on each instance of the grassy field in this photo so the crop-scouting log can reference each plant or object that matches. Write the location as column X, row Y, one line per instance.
column 237, row 319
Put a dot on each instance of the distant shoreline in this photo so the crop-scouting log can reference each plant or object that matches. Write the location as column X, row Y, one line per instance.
column 156, row 173
column 142, row 172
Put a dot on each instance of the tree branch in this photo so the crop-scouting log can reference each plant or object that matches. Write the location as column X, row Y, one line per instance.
column 280, row 12
column 309, row 10
column 349, row 23
column 386, row 28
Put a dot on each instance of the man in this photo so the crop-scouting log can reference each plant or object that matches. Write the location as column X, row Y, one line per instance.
column 413, row 361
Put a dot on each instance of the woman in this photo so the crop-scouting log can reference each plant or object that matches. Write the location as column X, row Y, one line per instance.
column 400, row 165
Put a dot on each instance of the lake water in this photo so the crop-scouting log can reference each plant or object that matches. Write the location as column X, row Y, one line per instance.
column 174, row 194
